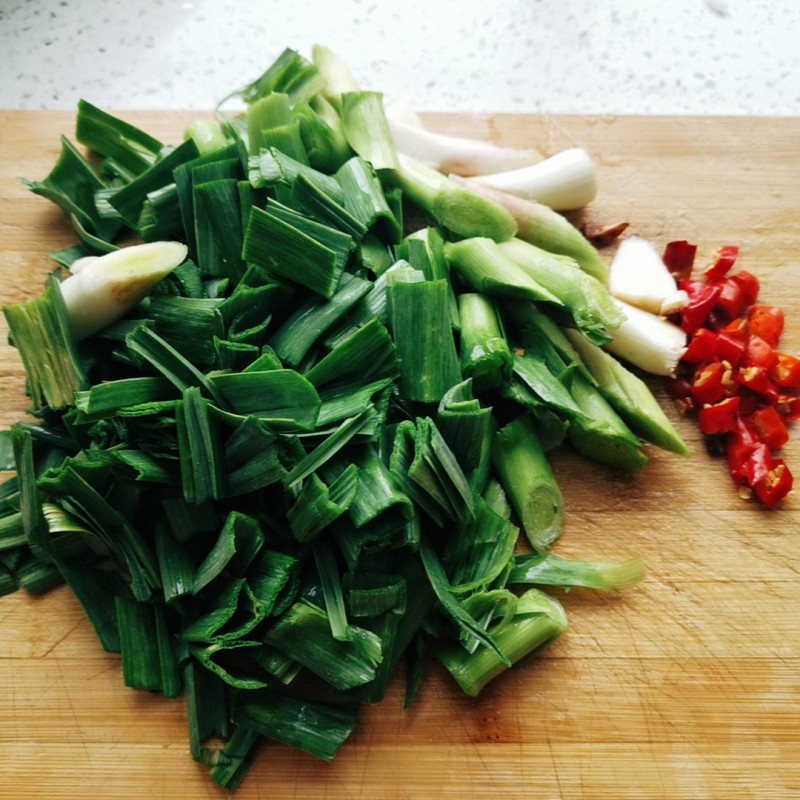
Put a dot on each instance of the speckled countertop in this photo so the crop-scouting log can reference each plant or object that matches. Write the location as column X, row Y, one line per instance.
column 558, row 56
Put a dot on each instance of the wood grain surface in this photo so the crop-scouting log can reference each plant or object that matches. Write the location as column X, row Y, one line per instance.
column 686, row 687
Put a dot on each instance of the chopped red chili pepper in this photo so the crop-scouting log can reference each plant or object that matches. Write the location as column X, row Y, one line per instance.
column 701, row 299
column 749, row 285
column 745, row 390
column 785, row 373
column 679, row 258
column 757, row 380
column 766, row 322
column 757, row 464
column 708, row 383
column 722, row 262
column 719, row 417
column 729, row 348
column 702, row 346
column 770, row 427
column 737, row 328
column 757, row 353
column 745, row 452
column 773, row 486
column 788, row 406
column 731, row 299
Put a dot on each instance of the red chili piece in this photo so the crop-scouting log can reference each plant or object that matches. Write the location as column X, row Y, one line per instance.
column 722, row 262
column 757, row 380
column 766, row 322
column 749, row 285
column 769, row 426
column 743, row 388
column 720, row 417
column 708, row 383
column 679, row 258
column 702, row 298
column 772, row 487
column 785, row 373
column 758, row 353
column 729, row 348
column 788, row 406
column 731, row 298
column 701, row 347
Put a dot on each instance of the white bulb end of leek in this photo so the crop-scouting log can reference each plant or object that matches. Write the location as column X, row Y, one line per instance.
column 647, row 341
column 107, row 287
column 403, row 113
column 638, row 276
column 565, row 181
column 81, row 263
column 455, row 154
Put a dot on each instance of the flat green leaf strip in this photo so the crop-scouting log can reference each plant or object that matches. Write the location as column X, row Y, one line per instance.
column 301, row 330
column 72, row 184
column 304, row 633
column 238, row 542
column 420, row 323
column 280, row 397
column 441, row 587
column 105, row 399
column 129, row 146
column 288, row 254
column 40, row 330
column 311, row 726
column 130, row 199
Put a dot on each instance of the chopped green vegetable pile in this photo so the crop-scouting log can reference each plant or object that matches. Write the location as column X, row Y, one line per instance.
column 319, row 446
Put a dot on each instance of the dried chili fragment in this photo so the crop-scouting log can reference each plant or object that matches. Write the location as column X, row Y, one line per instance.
column 603, row 235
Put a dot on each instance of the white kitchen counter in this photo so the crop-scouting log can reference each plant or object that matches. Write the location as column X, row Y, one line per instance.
column 557, row 56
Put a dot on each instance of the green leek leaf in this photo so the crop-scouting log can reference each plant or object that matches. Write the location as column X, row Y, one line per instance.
column 308, row 725
column 304, row 633
column 552, row 570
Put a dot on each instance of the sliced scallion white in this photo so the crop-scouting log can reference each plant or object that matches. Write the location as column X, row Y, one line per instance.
column 107, row 288
column 648, row 341
column 565, row 181
column 76, row 266
column 456, row 154
column 403, row 112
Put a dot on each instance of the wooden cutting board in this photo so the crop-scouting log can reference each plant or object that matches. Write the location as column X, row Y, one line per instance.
column 686, row 687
